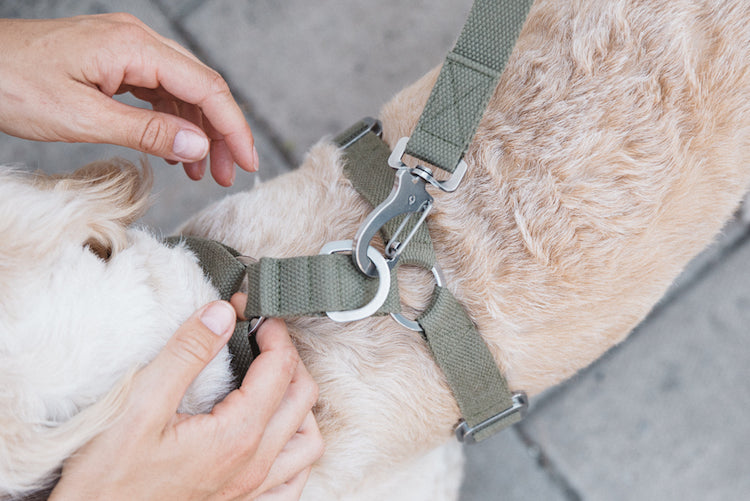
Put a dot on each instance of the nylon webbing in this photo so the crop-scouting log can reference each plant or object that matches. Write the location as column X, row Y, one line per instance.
column 311, row 286
column 472, row 373
column 467, row 81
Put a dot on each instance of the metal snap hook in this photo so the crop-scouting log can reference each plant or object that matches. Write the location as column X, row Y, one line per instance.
column 409, row 195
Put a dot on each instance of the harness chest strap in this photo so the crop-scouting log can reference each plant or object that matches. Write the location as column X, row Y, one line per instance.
column 283, row 288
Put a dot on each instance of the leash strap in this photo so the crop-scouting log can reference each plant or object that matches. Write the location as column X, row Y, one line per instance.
column 466, row 82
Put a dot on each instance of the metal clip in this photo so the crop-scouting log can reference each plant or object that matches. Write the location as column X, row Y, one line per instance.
column 466, row 434
column 409, row 196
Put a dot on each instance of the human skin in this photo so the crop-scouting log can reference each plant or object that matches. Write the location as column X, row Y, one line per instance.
column 258, row 443
column 57, row 79
column 59, row 75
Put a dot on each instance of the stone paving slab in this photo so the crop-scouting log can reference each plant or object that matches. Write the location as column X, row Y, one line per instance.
column 506, row 468
column 664, row 416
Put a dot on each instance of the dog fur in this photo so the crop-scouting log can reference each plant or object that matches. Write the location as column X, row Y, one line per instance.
column 614, row 149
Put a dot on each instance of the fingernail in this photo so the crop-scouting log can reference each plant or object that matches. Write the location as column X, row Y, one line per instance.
column 255, row 158
column 189, row 145
column 218, row 317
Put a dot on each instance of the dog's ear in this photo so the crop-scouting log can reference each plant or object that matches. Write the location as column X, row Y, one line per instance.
column 110, row 195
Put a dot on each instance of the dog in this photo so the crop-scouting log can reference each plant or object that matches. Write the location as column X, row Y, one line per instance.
column 613, row 150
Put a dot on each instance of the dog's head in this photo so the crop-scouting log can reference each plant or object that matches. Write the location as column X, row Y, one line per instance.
column 84, row 301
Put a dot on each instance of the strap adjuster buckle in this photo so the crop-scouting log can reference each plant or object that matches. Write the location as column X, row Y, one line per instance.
column 467, row 434
column 449, row 185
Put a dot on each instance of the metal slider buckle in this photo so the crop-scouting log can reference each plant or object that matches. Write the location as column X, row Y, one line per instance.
column 409, row 196
column 369, row 124
column 466, row 433
column 256, row 322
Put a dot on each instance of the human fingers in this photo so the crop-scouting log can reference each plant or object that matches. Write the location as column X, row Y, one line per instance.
column 188, row 351
column 289, row 491
column 194, row 170
column 193, row 82
column 238, row 302
column 265, row 382
column 106, row 54
column 291, row 435
column 222, row 154
column 298, row 454
column 292, row 415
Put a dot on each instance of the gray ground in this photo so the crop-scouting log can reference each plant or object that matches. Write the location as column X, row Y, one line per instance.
column 661, row 417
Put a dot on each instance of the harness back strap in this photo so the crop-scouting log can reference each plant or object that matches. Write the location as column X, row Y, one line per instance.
column 466, row 82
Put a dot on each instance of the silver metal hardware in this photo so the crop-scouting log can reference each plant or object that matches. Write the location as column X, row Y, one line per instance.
column 466, row 434
column 409, row 196
column 384, row 285
column 371, row 125
column 450, row 184
column 254, row 322
column 413, row 324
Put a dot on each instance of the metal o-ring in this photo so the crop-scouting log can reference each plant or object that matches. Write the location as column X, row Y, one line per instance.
column 413, row 324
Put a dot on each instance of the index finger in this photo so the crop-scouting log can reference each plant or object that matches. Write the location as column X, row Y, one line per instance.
column 195, row 83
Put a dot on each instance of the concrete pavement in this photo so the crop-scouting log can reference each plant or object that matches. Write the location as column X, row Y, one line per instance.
column 661, row 417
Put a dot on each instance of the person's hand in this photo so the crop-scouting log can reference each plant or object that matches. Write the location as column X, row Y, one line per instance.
column 58, row 76
column 259, row 442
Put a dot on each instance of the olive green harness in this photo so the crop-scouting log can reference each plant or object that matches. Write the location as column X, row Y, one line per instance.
column 350, row 280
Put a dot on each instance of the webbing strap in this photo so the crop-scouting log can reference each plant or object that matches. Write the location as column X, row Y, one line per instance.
column 466, row 82
column 472, row 374
column 226, row 273
column 311, row 286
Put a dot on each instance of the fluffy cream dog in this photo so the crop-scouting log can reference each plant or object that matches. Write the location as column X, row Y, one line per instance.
column 614, row 149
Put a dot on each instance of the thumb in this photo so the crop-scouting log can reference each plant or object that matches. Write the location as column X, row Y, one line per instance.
column 160, row 134
column 188, row 351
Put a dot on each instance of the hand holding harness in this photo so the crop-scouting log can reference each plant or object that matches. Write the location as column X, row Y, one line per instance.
column 353, row 287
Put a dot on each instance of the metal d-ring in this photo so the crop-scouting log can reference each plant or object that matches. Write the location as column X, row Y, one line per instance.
column 384, row 283
column 437, row 272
